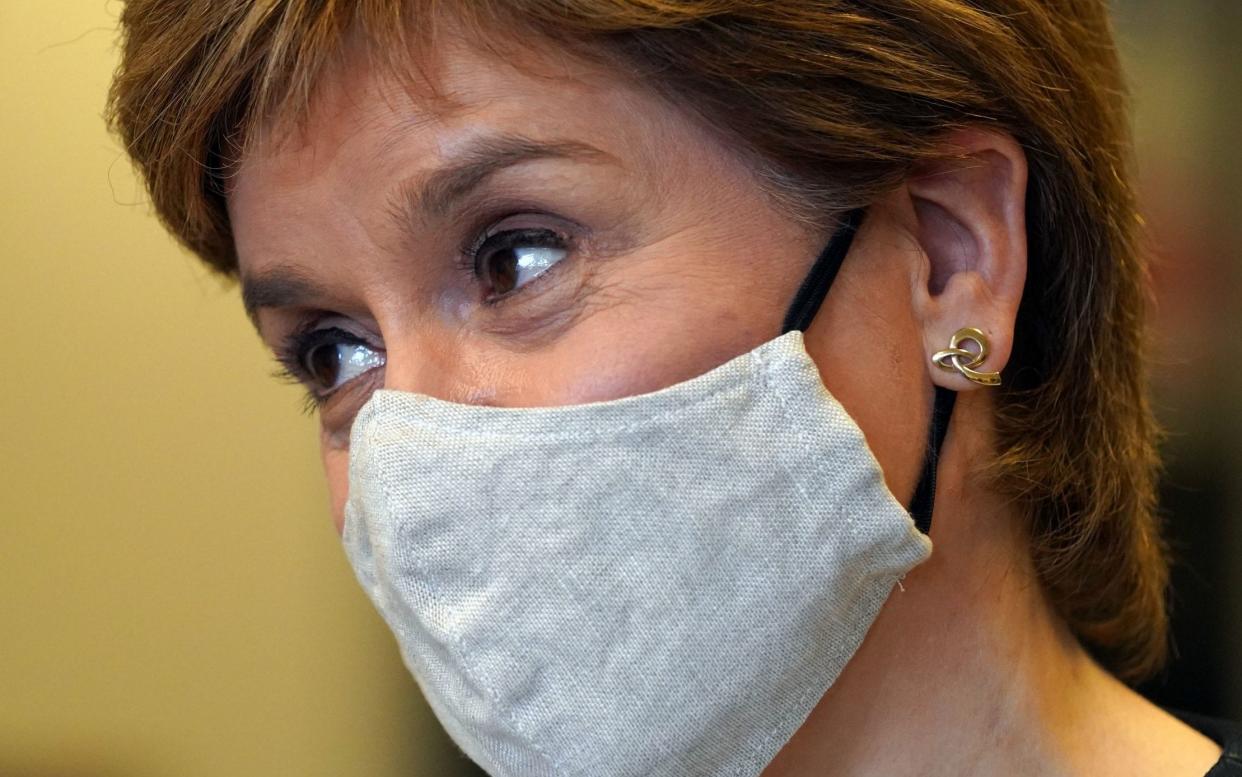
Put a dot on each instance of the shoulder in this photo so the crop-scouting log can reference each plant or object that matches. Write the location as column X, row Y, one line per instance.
column 1225, row 733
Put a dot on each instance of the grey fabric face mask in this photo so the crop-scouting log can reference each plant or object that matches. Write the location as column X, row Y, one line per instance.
column 663, row 584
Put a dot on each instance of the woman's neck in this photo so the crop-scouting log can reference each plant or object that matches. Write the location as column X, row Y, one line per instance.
column 969, row 671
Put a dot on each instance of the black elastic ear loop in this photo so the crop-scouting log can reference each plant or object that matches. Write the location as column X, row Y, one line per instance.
column 817, row 282
column 802, row 310
column 924, row 498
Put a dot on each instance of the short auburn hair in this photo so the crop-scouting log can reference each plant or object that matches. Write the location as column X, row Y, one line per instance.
column 835, row 102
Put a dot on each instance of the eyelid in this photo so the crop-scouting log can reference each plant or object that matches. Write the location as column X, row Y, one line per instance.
column 498, row 220
column 293, row 348
column 469, row 252
column 535, row 284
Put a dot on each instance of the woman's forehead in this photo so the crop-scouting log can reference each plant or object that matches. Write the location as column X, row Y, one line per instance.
column 372, row 129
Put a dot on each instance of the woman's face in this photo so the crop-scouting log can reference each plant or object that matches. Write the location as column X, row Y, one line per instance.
column 543, row 236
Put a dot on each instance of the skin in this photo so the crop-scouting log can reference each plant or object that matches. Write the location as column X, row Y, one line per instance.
column 679, row 261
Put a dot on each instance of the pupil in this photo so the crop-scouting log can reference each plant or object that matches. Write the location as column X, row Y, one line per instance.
column 502, row 271
column 324, row 364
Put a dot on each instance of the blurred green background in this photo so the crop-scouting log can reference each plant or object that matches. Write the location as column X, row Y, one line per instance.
column 173, row 599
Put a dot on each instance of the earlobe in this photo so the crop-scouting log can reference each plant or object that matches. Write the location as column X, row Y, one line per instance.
column 969, row 209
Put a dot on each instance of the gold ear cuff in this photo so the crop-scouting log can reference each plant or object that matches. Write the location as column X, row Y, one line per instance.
column 955, row 358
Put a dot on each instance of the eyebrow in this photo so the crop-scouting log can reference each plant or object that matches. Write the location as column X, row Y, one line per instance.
column 430, row 195
column 278, row 287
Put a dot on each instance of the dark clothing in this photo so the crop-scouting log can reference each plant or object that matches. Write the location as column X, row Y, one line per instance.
column 1224, row 733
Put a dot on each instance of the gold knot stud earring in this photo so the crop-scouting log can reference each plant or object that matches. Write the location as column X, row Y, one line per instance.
column 955, row 358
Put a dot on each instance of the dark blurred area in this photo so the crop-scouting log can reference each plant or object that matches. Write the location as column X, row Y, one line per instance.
column 1185, row 67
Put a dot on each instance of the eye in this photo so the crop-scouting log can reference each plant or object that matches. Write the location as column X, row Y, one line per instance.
column 336, row 363
column 506, row 261
column 329, row 358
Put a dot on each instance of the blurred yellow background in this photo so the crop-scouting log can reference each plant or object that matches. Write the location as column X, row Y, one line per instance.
column 173, row 598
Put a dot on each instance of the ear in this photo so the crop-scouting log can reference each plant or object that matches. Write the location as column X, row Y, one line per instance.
column 969, row 212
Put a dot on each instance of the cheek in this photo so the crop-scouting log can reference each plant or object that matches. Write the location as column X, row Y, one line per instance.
column 868, row 348
column 336, row 468
column 887, row 397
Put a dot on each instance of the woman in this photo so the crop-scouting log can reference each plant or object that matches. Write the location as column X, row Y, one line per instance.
column 629, row 485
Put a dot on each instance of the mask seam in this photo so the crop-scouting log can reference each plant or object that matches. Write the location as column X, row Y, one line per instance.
column 779, row 390
column 458, row 641
column 764, row 369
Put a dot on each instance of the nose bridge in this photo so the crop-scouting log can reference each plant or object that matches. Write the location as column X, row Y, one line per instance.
column 422, row 362
column 435, row 360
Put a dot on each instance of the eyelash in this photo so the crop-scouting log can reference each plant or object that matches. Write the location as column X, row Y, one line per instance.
column 291, row 355
column 292, row 352
column 469, row 255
